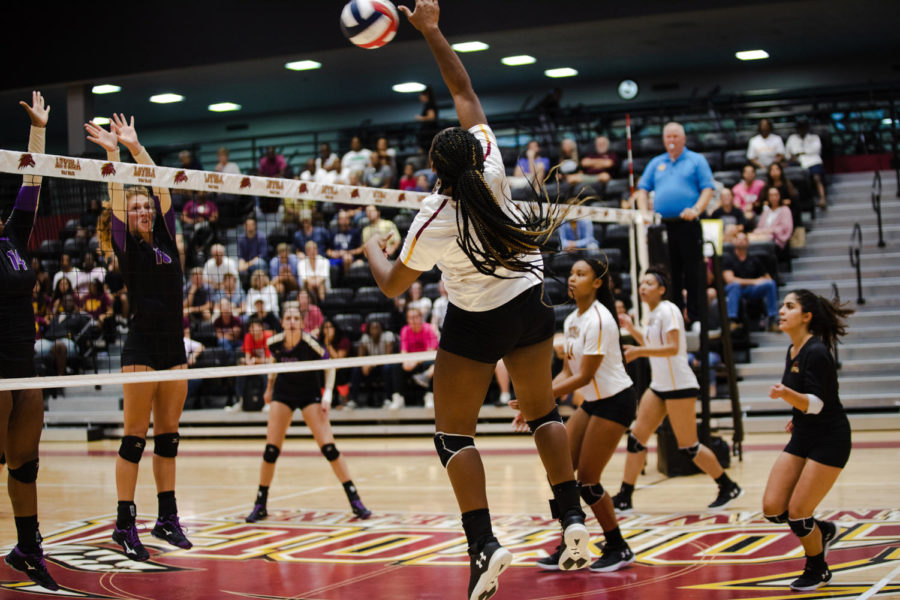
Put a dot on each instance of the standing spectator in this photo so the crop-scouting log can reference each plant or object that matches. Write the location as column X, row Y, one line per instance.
column 346, row 243
column 224, row 164
column 427, row 118
column 309, row 232
column 67, row 270
column 407, row 183
column 358, row 158
column 805, row 149
column 272, row 164
column 766, row 147
column 252, row 250
column 439, row 307
column 748, row 189
column 314, row 272
column 577, row 234
column 261, row 289
column 745, row 277
column 415, row 336
column 89, row 272
column 229, row 328
column 312, row 314
column 198, row 298
column 776, row 224
column 684, row 185
column 376, row 341
column 733, row 219
column 232, row 292
column 326, row 160
column 601, row 162
column 379, row 173
column 386, row 228
column 215, row 268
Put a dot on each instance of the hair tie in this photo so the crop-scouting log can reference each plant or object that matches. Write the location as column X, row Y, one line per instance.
column 659, row 279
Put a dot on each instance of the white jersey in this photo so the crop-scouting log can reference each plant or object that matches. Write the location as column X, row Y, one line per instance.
column 596, row 333
column 668, row 373
column 432, row 241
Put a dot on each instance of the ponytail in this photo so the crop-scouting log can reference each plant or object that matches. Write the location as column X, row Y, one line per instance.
column 829, row 317
column 605, row 295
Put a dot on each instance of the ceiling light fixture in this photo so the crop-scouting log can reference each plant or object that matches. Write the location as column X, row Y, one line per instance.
column 409, row 87
column 224, row 107
column 561, row 72
column 470, row 46
column 518, row 60
column 166, row 98
column 303, row 65
column 106, row 88
column 751, row 54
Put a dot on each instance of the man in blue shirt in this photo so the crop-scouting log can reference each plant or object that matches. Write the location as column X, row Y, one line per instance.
column 252, row 251
column 683, row 185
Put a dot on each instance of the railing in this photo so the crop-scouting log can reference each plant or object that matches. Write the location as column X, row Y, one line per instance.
column 876, row 205
column 855, row 247
column 836, row 296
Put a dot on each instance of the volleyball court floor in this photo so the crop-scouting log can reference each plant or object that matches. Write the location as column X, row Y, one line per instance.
column 413, row 548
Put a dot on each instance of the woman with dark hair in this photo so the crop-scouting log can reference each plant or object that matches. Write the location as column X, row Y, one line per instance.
column 338, row 345
column 673, row 391
column 62, row 289
column 139, row 227
column 820, row 433
column 775, row 178
column 22, row 411
column 428, row 118
column 489, row 253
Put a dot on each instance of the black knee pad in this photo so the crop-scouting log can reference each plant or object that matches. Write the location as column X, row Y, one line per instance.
column 550, row 417
column 591, row 494
column 330, row 452
column 802, row 527
column 691, row 452
column 449, row 445
column 782, row 518
column 27, row 473
column 633, row 445
column 132, row 448
column 270, row 454
column 166, row 444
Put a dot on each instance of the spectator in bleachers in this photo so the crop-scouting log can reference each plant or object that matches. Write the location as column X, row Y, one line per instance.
column 765, row 147
column 379, row 173
column 187, row 160
column 312, row 314
column 200, row 209
column 422, row 184
column 428, row 118
column 256, row 351
column 601, row 162
column 418, row 300
column 789, row 195
column 805, row 148
column 41, row 275
column 272, row 164
column 746, row 277
column 326, row 160
column 314, row 272
column 407, row 183
column 224, row 164
column 218, row 264
column 747, row 191
column 89, row 272
column 60, row 335
column 199, row 216
column 334, row 175
column 338, row 345
column 439, row 307
column 382, row 147
column 415, row 336
column 684, row 185
column 252, row 250
column 115, row 285
column 283, row 256
column 198, row 298
column 309, row 232
column 98, row 304
column 259, row 313
column 733, row 220
column 309, row 172
column 382, row 226
column 577, row 234
column 376, row 341
column 346, row 243
column 229, row 327
column 533, row 166
column 40, row 303
column 285, row 283
column 357, row 158
column 568, row 164
column 232, row 292
column 62, row 288
column 192, row 350
column 775, row 223
column 67, row 270
column 261, row 289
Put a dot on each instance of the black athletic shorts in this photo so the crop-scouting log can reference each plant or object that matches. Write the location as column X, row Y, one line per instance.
column 296, row 402
column 619, row 408
column 490, row 335
column 17, row 361
column 826, row 446
column 678, row 394
column 159, row 351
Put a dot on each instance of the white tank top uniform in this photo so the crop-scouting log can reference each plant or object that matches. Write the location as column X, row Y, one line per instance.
column 596, row 333
column 668, row 373
column 432, row 241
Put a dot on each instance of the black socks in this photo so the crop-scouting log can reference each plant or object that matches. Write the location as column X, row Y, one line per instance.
column 29, row 540
column 126, row 512
column 167, row 505
column 477, row 524
column 350, row 490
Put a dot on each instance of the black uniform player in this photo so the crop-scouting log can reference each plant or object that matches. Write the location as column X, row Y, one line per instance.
column 142, row 228
column 820, row 432
column 287, row 392
column 22, row 411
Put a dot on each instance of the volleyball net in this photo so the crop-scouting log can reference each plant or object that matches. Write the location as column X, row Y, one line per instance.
column 81, row 303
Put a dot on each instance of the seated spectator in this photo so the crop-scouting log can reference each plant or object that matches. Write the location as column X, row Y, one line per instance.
column 439, row 307
column 224, row 164
column 577, row 234
column 601, row 162
column 192, row 350
column 88, row 219
column 382, row 226
column 40, row 303
column 252, row 250
column 379, row 173
column 383, row 148
column 67, row 270
column 419, row 301
column 407, row 183
column 745, row 277
column 568, row 164
column 789, row 194
column 199, row 216
column 61, row 335
column 270, row 322
column 285, row 283
column 116, row 286
column 88, row 273
column 309, row 232
column 61, row 289
column 766, row 147
column 805, row 148
column 422, row 184
column 358, row 158
column 261, row 289
column 187, row 160
column 338, row 345
column 309, row 172
column 232, row 292
column 376, row 341
column 314, row 272
column 747, row 191
column 283, row 256
column 332, row 175
column 775, row 223
column 733, row 220
column 327, row 160
column 215, row 268
column 198, row 298
column 346, row 243
column 99, row 305
column 533, row 166
column 272, row 164
column 312, row 314
column 41, row 275
column 229, row 327
column 415, row 336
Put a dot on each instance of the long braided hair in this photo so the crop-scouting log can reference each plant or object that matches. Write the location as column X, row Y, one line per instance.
column 489, row 237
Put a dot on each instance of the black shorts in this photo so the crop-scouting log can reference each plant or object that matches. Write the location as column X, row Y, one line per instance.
column 160, row 351
column 678, row 394
column 298, row 402
column 490, row 335
column 619, row 408
column 829, row 447
column 17, row 361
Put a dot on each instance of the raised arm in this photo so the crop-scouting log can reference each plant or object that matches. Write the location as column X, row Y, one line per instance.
column 109, row 142
column 127, row 135
column 21, row 219
column 425, row 19
column 39, row 115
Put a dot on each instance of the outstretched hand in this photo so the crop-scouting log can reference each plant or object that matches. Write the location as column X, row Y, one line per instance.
column 424, row 15
column 126, row 132
column 38, row 112
column 103, row 138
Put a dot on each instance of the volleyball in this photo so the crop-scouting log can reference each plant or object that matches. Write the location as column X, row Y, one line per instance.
column 369, row 24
